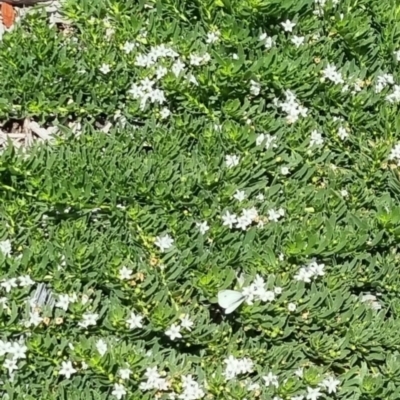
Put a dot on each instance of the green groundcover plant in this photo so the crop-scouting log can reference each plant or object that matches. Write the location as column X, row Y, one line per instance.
column 254, row 146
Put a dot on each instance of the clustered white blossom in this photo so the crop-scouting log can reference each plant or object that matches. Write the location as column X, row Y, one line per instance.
column 394, row 97
column 269, row 140
column 154, row 381
column 271, row 380
column 213, row 37
column 191, row 389
column 316, row 139
column 144, row 91
column 257, row 291
column 13, row 351
column 155, row 53
column 329, row 384
column 276, row 215
column 21, row 281
column 291, row 107
column 237, row 366
column 232, row 160
column 198, row 60
column 383, row 81
column 174, row 331
column 331, row 73
column 267, row 40
column 310, row 271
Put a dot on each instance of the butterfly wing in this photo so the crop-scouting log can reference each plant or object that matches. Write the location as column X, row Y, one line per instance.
column 230, row 300
column 7, row 15
column 234, row 306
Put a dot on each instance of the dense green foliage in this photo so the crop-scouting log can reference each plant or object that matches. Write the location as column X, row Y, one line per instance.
column 245, row 153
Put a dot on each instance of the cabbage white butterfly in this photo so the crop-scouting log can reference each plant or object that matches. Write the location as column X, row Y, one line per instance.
column 230, row 300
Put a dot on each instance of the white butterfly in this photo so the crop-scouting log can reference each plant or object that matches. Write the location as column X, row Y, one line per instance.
column 230, row 300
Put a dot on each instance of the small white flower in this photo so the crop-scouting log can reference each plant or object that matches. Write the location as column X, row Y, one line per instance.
column 101, row 347
column 292, row 307
column 84, row 299
column 285, row 171
column 128, row 47
column 118, row 391
column 105, row 69
column 297, row 40
column 177, row 67
column 161, row 72
column 232, row 161
column 269, row 140
column 8, row 284
column 344, row 193
column 164, row 243
column 240, row 195
column 278, row 290
column 262, row 37
column 397, row 55
column 299, row 372
column 186, row 323
column 229, row 219
column 271, row 380
column 330, row 72
column 18, row 350
column 25, row 280
column 67, row 369
column 203, row 227
column 260, row 197
column 316, row 139
column 10, row 365
column 88, row 319
column 5, row 247
column 192, row 79
column 235, row 56
column 63, row 302
column 134, row 321
column 255, row 88
column 165, row 113
column 213, row 37
column 34, row 319
column 275, row 215
column 288, row 25
column 313, row 394
column 174, row 332
column 124, row 373
column 342, row 133
column 125, row 273
column 330, row 384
